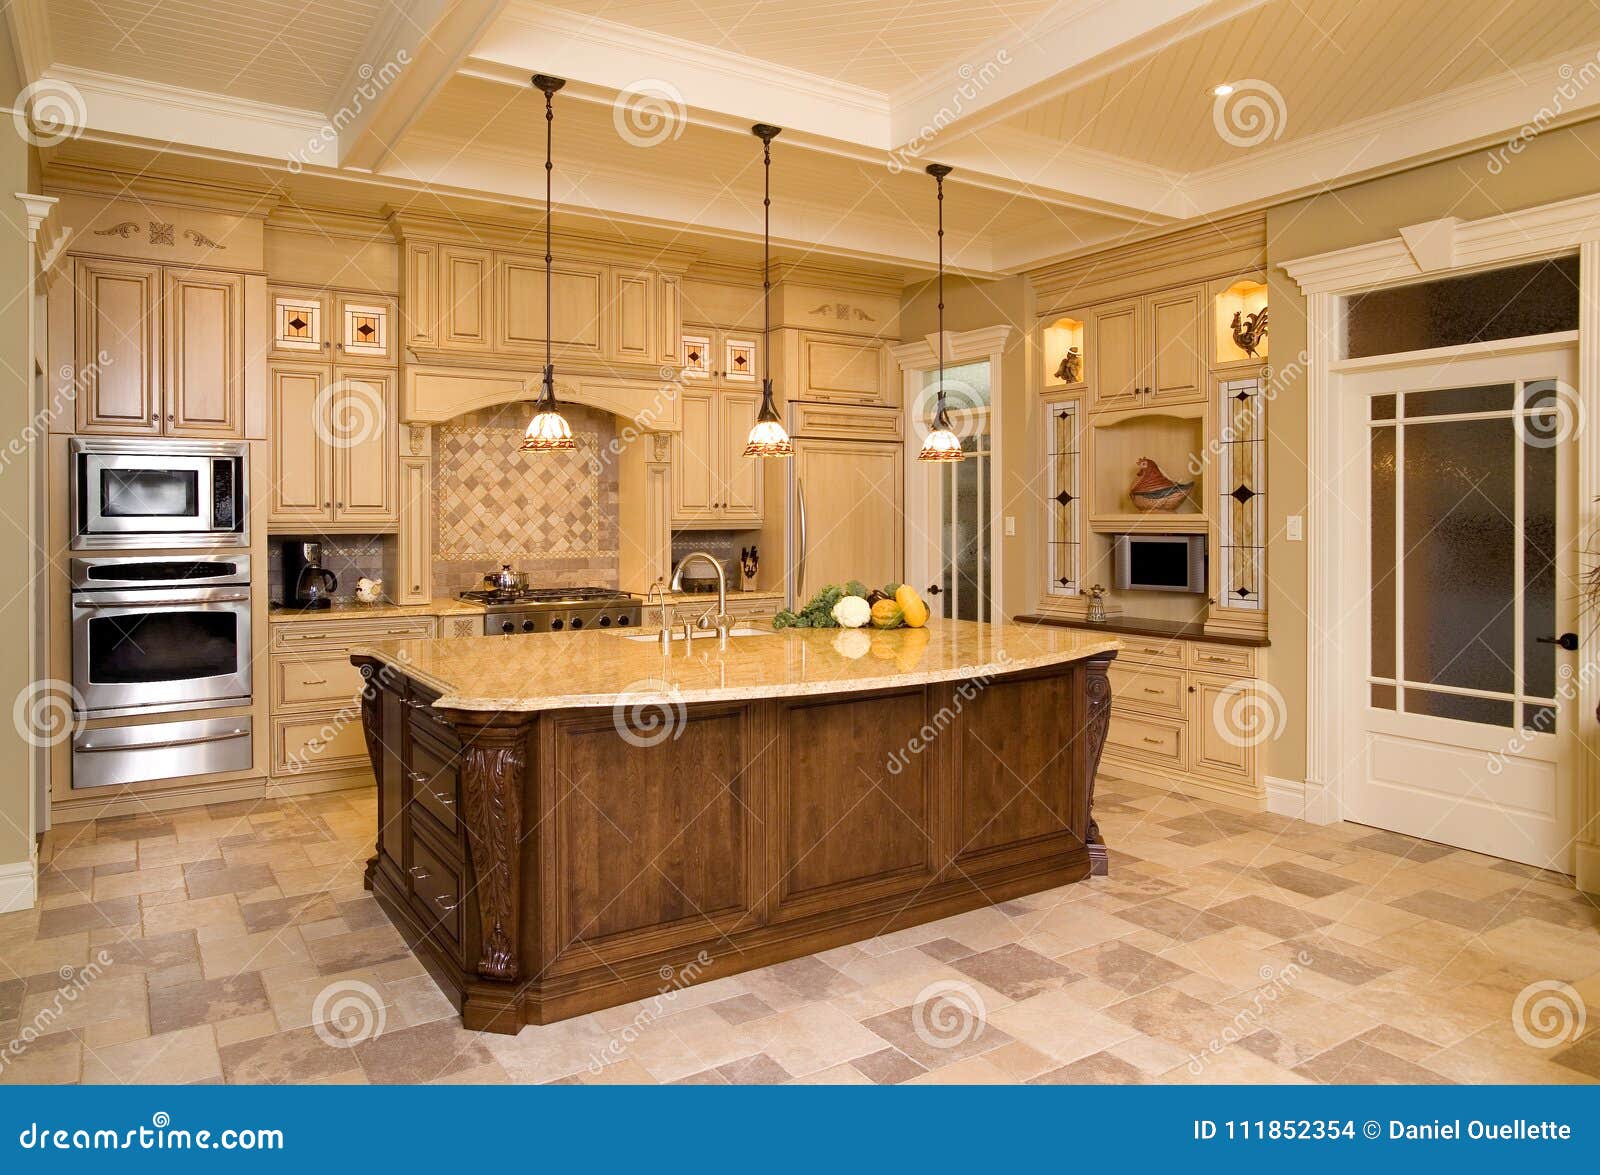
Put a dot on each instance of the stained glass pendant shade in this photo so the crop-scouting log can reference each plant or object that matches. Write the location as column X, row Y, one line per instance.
column 548, row 431
column 941, row 443
column 768, row 438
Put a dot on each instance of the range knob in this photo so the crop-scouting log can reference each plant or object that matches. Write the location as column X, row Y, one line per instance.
column 605, row 622
column 557, row 625
column 527, row 626
column 624, row 621
column 508, row 627
column 577, row 622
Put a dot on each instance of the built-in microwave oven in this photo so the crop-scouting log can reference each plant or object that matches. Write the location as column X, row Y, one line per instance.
column 1160, row 563
column 159, row 493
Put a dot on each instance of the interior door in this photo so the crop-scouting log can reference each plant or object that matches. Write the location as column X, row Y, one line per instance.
column 849, row 514
column 951, row 520
column 1463, row 474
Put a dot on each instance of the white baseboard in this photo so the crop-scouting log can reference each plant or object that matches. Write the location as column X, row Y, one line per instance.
column 18, row 886
column 1310, row 802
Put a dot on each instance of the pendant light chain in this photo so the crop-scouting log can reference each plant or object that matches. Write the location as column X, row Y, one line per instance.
column 549, row 169
column 941, row 444
column 768, row 438
column 548, row 431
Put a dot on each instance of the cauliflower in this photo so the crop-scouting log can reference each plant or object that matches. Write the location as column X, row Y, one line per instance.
column 852, row 612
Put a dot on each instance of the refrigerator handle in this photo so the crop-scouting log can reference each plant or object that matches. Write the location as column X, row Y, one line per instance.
column 800, row 560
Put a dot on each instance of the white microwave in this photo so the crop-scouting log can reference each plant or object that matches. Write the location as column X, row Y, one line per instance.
column 1160, row 563
column 159, row 493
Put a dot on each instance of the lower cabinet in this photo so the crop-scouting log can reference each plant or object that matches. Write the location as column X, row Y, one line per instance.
column 1188, row 713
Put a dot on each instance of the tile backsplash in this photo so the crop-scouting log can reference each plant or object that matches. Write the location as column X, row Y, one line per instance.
column 724, row 544
column 552, row 515
column 348, row 556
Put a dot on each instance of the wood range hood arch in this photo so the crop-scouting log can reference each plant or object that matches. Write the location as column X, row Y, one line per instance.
column 432, row 395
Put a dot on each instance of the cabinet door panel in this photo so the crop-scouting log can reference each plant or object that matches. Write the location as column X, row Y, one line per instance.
column 854, row 503
column 1221, row 744
column 1114, row 366
column 364, row 448
column 633, row 316
column 741, row 475
column 422, row 294
column 575, row 321
column 118, row 347
column 466, row 290
column 841, row 369
column 204, row 344
column 694, row 460
column 302, row 461
column 1176, row 344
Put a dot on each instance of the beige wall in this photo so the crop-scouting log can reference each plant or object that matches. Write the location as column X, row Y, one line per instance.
column 973, row 305
column 16, row 368
column 1555, row 166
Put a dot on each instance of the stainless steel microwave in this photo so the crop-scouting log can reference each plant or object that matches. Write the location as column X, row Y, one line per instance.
column 1160, row 563
column 159, row 493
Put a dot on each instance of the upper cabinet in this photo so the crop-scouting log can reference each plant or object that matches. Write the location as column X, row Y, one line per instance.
column 719, row 358
column 1143, row 351
column 467, row 302
column 159, row 350
column 834, row 367
column 714, row 485
column 334, row 449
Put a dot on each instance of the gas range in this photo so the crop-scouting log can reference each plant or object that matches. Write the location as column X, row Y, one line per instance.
column 555, row 609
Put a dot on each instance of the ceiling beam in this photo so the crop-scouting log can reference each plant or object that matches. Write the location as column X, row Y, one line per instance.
column 29, row 26
column 406, row 60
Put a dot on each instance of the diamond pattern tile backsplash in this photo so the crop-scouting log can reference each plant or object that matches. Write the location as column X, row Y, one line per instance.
column 552, row 515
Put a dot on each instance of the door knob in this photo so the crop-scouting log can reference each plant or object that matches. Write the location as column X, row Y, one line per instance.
column 934, row 589
column 1567, row 640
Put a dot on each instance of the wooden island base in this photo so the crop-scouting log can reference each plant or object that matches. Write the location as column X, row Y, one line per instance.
column 548, row 864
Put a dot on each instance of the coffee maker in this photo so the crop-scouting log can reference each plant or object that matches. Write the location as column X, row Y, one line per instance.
column 306, row 583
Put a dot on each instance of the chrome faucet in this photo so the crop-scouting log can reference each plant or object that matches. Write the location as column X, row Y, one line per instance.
column 660, row 585
column 722, row 593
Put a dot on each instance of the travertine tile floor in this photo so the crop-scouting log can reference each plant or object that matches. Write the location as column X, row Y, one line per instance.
column 234, row 943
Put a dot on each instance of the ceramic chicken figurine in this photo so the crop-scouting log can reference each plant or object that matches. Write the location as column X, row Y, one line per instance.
column 1249, row 330
column 1155, row 492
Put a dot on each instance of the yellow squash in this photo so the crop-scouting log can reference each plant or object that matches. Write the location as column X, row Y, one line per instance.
column 912, row 608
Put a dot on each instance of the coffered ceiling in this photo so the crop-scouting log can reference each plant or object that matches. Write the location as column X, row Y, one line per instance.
column 1071, row 123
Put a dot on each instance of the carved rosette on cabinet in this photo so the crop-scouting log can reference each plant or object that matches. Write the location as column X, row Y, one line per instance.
column 493, row 755
column 1096, row 725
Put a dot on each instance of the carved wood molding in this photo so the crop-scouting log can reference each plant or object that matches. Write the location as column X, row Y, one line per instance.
column 371, row 728
column 1097, row 724
column 493, row 758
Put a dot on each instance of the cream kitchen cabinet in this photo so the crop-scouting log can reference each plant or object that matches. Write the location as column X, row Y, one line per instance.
column 714, row 485
column 1148, row 350
column 159, row 351
column 719, row 358
column 835, row 368
column 333, row 449
column 849, row 513
column 576, row 325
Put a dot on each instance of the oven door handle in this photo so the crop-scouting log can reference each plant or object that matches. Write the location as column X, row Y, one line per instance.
column 152, row 603
column 91, row 748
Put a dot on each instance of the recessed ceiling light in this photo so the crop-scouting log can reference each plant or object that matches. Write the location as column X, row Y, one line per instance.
column 1223, row 90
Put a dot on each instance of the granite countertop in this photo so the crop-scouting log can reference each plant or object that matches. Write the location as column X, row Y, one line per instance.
column 348, row 609
column 553, row 671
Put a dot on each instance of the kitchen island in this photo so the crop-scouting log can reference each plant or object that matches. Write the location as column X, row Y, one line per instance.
column 570, row 821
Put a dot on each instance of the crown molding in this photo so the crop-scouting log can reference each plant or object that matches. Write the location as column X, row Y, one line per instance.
column 258, row 201
column 29, row 24
column 1232, row 242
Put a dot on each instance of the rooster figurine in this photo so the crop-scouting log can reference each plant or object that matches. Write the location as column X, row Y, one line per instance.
column 1249, row 330
column 1154, row 492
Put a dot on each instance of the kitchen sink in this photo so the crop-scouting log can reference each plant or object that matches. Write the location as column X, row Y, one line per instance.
column 705, row 635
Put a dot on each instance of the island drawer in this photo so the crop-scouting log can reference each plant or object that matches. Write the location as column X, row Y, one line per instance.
column 1146, row 687
column 1153, row 740
column 436, row 889
column 434, row 781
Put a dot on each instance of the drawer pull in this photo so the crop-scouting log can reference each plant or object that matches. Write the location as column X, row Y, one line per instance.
column 1222, row 660
column 418, row 872
column 316, row 681
column 447, row 906
column 447, row 801
column 1148, row 690
column 1154, row 742
column 416, row 705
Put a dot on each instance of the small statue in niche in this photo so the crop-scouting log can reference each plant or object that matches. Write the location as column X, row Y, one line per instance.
column 749, row 564
column 1071, row 369
column 1249, row 330
column 1097, row 604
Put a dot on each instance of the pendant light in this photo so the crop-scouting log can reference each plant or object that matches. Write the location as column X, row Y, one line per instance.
column 767, row 436
column 548, row 431
column 941, row 444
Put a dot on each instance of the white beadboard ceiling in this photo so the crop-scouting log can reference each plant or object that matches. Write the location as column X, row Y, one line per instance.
column 876, row 44
column 285, row 52
column 1334, row 62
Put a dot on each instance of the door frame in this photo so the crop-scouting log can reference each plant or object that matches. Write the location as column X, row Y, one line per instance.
column 915, row 360
column 1444, row 247
column 1351, row 389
